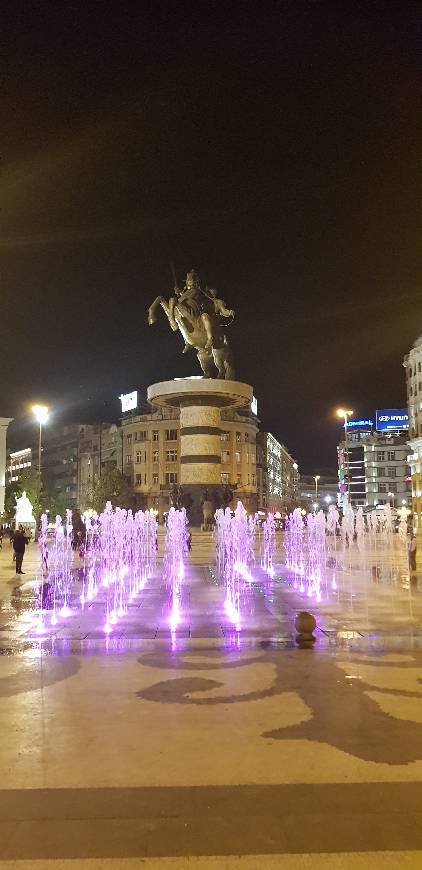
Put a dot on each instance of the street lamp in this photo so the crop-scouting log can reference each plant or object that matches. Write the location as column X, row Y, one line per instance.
column 316, row 479
column 345, row 414
column 40, row 413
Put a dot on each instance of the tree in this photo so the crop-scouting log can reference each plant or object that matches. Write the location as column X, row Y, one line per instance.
column 55, row 504
column 29, row 482
column 12, row 491
column 111, row 486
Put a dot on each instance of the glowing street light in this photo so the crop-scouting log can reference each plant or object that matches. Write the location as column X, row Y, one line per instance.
column 316, row 479
column 345, row 414
column 40, row 413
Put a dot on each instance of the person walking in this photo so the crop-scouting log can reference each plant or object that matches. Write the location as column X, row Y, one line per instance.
column 411, row 551
column 19, row 543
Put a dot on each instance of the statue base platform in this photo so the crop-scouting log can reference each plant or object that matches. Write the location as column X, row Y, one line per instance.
column 200, row 401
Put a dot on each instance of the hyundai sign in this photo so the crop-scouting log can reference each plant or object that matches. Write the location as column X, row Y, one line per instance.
column 392, row 419
column 129, row 401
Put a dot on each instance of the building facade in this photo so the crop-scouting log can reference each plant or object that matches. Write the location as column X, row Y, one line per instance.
column 377, row 467
column 99, row 447
column 18, row 462
column 74, row 456
column 151, row 456
column 413, row 366
column 351, row 469
column 277, row 476
column 387, row 474
column 60, row 458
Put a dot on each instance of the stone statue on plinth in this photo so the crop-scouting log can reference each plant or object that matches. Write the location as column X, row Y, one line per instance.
column 24, row 512
column 199, row 315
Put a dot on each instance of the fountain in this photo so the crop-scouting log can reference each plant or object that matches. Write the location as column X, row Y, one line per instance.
column 176, row 548
column 268, row 545
column 118, row 558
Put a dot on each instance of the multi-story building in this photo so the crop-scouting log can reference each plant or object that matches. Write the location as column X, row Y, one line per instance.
column 73, row 457
column 387, row 476
column 100, row 447
column 277, row 475
column 413, row 365
column 19, row 461
column 151, row 455
column 60, row 460
column 351, row 468
column 374, row 466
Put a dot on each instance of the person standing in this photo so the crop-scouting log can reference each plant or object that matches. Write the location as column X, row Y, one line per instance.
column 19, row 543
column 411, row 551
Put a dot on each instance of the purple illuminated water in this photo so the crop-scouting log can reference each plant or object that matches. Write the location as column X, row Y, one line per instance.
column 234, row 537
column 118, row 558
column 174, row 568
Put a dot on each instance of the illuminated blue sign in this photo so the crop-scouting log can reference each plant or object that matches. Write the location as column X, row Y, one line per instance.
column 392, row 419
column 360, row 424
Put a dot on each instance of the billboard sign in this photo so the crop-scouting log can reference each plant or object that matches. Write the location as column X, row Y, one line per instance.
column 360, row 424
column 129, row 401
column 392, row 420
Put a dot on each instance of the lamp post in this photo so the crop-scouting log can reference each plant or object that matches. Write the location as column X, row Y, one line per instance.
column 345, row 414
column 316, row 479
column 40, row 413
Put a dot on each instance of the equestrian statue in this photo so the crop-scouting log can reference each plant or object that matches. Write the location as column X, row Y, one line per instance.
column 200, row 316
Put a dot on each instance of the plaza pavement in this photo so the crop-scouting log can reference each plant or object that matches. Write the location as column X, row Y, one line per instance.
column 213, row 749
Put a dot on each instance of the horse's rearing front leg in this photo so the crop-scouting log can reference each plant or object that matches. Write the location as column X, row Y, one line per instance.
column 152, row 317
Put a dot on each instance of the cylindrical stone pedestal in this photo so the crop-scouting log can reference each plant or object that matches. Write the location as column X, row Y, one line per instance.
column 200, row 450
column 200, row 401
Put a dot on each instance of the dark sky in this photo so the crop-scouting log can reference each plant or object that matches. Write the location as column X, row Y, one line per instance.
column 273, row 146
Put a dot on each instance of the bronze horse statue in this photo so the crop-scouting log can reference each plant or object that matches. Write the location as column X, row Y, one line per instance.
column 197, row 315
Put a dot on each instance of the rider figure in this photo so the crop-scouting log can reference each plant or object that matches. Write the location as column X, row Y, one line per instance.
column 194, row 299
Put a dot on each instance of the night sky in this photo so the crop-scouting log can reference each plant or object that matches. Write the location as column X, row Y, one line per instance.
column 272, row 146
